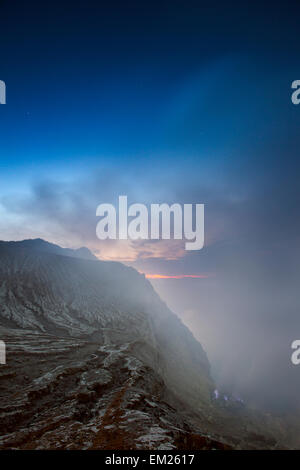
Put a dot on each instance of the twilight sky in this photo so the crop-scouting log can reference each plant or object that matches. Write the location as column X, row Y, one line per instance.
column 167, row 101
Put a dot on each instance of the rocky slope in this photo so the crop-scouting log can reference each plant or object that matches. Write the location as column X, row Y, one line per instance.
column 95, row 359
column 44, row 290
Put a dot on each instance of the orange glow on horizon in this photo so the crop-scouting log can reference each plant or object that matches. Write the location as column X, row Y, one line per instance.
column 178, row 276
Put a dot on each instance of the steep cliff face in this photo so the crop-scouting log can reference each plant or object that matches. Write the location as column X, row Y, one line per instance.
column 47, row 289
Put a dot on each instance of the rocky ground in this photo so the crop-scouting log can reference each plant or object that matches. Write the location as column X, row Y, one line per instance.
column 61, row 393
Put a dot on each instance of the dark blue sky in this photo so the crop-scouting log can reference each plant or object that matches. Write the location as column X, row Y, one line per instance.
column 169, row 101
column 114, row 78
